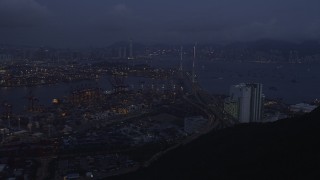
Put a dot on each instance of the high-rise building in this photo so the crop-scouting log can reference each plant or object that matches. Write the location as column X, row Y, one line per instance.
column 181, row 58
column 193, row 63
column 131, row 49
column 257, row 100
column 124, row 52
column 120, row 52
column 245, row 102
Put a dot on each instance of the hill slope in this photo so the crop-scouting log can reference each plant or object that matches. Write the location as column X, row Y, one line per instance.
column 287, row 149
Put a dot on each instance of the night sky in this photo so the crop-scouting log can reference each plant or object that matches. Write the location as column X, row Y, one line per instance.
column 96, row 23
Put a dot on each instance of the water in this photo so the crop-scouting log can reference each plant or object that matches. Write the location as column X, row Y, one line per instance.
column 293, row 83
column 18, row 96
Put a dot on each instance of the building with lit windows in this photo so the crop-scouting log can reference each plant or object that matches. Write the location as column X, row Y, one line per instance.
column 245, row 102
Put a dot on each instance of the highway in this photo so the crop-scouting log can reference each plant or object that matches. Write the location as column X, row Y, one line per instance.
column 217, row 118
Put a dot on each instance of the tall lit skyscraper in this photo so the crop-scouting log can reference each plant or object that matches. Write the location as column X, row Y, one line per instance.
column 245, row 102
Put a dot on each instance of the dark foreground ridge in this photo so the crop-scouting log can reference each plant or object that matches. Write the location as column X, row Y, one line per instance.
column 286, row 149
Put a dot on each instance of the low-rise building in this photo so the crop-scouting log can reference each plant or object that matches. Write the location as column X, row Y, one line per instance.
column 232, row 107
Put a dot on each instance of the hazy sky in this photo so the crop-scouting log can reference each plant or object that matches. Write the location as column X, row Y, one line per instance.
column 81, row 23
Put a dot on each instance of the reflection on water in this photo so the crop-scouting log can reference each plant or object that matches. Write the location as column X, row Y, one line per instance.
column 18, row 96
column 292, row 82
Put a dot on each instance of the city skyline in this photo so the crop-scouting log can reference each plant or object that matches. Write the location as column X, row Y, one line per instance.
column 119, row 89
